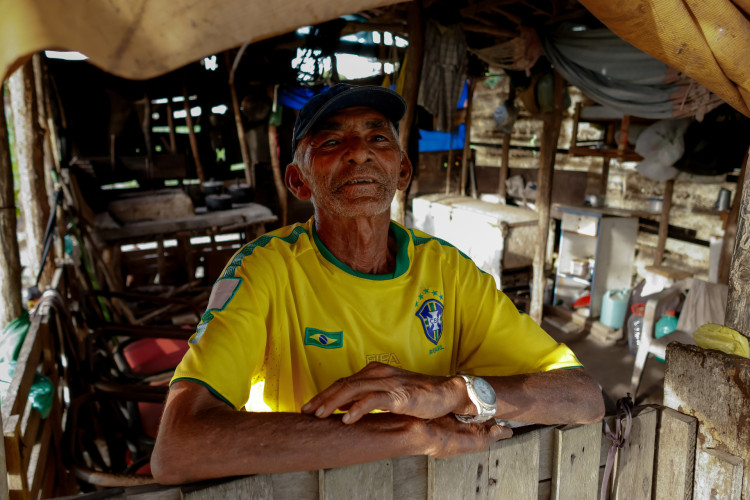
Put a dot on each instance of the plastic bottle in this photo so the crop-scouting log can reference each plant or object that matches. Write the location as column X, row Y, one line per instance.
column 666, row 325
column 635, row 325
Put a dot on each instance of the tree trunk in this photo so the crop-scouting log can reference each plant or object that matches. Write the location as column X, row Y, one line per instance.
column 30, row 160
column 10, row 262
column 550, row 135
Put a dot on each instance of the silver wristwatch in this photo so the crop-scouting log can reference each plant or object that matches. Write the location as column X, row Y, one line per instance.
column 484, row 398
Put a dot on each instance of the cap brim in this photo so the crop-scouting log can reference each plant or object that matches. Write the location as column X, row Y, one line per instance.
column 386, row 101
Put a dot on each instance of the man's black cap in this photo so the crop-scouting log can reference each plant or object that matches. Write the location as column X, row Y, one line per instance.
column 342, row 96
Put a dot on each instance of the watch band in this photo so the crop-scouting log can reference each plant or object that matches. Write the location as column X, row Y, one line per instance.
column 484, row 411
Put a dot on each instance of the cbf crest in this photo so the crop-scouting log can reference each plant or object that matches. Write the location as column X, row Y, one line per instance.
column 431, row 314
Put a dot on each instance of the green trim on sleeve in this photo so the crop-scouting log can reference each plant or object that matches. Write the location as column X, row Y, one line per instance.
column 211, row 389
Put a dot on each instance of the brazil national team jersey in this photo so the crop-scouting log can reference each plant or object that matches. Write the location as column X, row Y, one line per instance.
column 288, row 319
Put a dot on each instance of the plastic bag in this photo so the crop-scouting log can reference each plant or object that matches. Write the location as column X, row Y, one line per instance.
column 722, row 338
column 661, row 145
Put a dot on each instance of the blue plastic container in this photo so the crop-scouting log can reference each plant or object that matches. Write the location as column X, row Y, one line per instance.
column 614, row 305
column 666, row 325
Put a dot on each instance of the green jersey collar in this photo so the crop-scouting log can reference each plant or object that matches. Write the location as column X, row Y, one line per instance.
column 402, row 255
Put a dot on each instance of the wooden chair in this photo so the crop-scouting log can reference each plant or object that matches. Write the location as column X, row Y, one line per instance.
column 704, row 303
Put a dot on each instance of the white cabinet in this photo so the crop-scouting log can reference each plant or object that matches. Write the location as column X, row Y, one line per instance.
column 597, row 252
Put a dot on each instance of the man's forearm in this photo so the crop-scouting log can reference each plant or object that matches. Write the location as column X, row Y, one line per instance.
column 554, row 397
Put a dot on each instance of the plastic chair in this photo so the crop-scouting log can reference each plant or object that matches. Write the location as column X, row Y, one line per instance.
column 704, row 303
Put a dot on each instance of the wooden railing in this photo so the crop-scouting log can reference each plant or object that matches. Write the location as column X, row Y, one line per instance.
column 558, row 462
column 32, row 444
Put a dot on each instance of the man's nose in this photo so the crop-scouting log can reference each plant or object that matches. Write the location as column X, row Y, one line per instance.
column 358, row 150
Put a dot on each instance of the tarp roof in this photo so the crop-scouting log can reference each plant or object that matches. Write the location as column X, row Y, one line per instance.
column 141, row 39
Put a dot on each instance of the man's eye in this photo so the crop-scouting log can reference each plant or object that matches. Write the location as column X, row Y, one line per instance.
column 330, row 142
column 379, row 138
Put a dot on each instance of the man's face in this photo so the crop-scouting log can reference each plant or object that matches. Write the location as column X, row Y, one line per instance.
column 352, row 163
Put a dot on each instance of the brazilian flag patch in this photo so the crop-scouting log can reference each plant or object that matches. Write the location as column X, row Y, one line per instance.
column 326, row 340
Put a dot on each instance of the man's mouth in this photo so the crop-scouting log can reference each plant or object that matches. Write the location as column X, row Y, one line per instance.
column 358, row 181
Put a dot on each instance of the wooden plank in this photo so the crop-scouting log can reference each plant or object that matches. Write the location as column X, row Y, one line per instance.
column 372, row 480
column 465, row 476
column 23, row 377
column 576, row 461
column 191, row 135
column 297, row 485
column 514, row 468
column 675, row 456
column 718, row 475
column 634, row 464
column 504, row 168
column 17, row 483
column 258, row 487
column 410, row 477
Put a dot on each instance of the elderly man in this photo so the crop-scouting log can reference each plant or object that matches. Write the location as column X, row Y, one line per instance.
column 350, row 338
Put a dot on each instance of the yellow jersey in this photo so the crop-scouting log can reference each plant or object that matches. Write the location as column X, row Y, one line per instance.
column 286, row 319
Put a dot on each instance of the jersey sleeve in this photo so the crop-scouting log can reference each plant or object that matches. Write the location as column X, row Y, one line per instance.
column 228, row 348
column 497, row 339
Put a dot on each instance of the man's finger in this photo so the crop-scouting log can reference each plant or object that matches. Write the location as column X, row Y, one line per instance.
column 499, row 432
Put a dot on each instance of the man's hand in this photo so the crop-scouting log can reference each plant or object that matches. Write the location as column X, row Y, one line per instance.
column 452, row 438
column 383, row 387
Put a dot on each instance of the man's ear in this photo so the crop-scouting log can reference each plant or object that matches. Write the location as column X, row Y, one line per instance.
column 296, row 183
column 404, row 174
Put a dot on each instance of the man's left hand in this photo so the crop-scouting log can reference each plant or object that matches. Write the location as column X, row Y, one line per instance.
column 383, row 387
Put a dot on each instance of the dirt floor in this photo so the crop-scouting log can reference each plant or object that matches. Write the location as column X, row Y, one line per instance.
column 612, row 367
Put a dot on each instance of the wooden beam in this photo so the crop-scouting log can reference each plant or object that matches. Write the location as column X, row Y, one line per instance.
column 170, row 125
column 467, row 141
column 490, row 30
column 278, row 178
column 411, row 91
column 664, row 222
column 11, row 305
column 504, row 168
column 550, row 135
column 249, row 169
column 730, row 232
column 738, row 300
column 450, row 166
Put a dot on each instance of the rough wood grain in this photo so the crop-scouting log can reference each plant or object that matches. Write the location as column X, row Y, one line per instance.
column 576, row 461
column 738, row 300
column 258, row 487
column 504, row 168
column 730, row 231
column 634, row 466
column 465, row 476
column 718, row 475
column 514, row 468
column 410, row 477
column 675, row 456
column 715, row 388
column 369, row 481
column 297, row 485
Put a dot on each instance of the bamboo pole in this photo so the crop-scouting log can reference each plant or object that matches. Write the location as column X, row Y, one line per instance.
column 11, row 305
column 191, row 136
column 504, row 168
column 467, row 141
column 278, row 178
column 550, row 135
column 249, row 169
column 664, row 222
column 29, row 149
column 411, row 91
column 170, row 125
column 450, row 165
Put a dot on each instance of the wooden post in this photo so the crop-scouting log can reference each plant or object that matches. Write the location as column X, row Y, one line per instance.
column 273, row 143
column 191, row 136
column 450, row 165
column 170, row 125
column 467, row 141
column 550, row 135
column 664, row 222
column 30, row 161
column 738, row 300
column 504, row 168
column 411, row 91
column 730, row 232
column 10, row 262
column 249, row 169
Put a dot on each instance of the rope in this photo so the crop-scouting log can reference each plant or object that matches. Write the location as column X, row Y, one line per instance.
column 618, row 438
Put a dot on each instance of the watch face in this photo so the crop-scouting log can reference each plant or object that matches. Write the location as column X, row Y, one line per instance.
column 485, row 391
